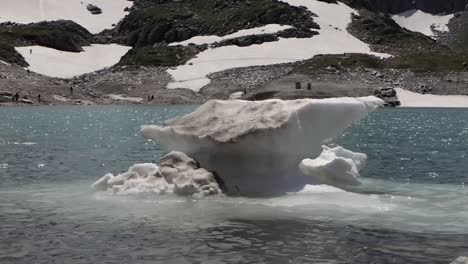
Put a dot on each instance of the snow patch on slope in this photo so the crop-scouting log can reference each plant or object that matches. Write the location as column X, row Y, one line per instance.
column 425, row 23
column 61, row 64
column 411, row 99
column 200, row 40
column 31, row 11
column 333, row 39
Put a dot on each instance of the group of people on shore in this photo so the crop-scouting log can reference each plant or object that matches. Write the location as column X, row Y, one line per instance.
column 16, row 97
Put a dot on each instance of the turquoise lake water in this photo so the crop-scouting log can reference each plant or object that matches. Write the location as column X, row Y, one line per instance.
column 412, row 207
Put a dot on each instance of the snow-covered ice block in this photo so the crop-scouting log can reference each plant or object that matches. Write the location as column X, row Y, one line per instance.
column 335, row 166
column 256, row 147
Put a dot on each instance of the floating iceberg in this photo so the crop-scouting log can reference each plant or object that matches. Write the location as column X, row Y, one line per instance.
column 335, row 166
column 256, row 147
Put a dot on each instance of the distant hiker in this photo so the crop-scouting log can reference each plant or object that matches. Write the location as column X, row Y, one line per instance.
column 38, row 98
column 245, row 91
column 29, row 71
column 152, row 97
column 30, row 51
column 17, row 96
column 71, row 89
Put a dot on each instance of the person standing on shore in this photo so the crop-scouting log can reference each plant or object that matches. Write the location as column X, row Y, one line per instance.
column 39, row 98
column 17, row 96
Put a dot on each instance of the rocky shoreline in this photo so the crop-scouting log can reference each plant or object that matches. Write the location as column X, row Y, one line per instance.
column 147, row 85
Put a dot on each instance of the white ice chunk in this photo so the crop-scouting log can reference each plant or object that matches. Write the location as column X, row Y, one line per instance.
column 61, row 64
column 256, row 147
column 425, row 23
column 335, row 166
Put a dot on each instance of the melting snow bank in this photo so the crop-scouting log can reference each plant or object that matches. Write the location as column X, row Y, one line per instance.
column 333, row 38
column 61, row 64
column 411, row 99
column 32, row 11
column 335, row 167
column 177, row 174
column 200, row 40
column 256, row 147
column 425, row 23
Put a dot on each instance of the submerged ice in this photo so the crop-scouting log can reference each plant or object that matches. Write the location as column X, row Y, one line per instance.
column 264, row 147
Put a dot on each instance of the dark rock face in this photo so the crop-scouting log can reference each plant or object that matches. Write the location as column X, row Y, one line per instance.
column 259, row 39
column 398, row 6
column 385, row 35
column 63, row 35
column 154, row 22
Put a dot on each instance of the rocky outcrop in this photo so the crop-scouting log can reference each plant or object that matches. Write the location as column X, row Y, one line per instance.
column 62, row 35
column 389, row 95
column 262, row 38
column 94, row 9
column 151, row 22
column 385, row 35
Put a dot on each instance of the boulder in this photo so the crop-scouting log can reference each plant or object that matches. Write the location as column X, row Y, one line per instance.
column 94, row 9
